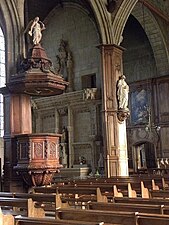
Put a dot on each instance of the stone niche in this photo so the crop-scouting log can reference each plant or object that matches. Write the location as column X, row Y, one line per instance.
column 38, row 158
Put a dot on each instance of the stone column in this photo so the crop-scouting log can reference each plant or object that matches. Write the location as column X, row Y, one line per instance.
column 70, row 137
column 56, row 121
column 114, row 125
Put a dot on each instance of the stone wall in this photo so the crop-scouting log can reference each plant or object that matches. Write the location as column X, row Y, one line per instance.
column 76, row 28
column 82, row 119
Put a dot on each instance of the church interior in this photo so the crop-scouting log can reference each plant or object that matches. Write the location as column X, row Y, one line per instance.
column 84, row 88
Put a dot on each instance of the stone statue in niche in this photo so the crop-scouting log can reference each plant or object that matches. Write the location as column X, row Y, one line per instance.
column 64, row 138
column 122, row 93
column 101, row 164
column 63, row 57
column 57, row 64
column 63, row 155
column 64, row 63
column 69, row 69
column 64, row 148
column 35, row 30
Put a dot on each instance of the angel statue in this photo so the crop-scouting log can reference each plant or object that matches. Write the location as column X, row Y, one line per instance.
column 35, row 30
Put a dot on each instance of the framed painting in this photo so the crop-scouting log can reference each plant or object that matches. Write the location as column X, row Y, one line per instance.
column 139, row 107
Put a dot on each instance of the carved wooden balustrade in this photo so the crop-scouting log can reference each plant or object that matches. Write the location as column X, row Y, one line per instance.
column 38, row 158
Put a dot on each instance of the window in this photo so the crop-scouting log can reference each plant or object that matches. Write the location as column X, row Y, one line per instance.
column 2, row 79
column 89, row 81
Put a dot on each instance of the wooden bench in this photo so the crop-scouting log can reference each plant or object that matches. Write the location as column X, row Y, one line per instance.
column 150, row 201
column 6, row 219
column 151, row 182
column 124, row 218
column 49, row 202
column 139, row 186
column 140, row 189
column 47, row 221
column 114, row 189
column 75, row 192
column 20, row 205
column 159, row 193
column 40, row 198
column 151, row 219
column 126, row 207
column 15, row 206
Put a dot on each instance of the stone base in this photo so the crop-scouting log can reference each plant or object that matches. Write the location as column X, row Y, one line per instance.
column 79, row 171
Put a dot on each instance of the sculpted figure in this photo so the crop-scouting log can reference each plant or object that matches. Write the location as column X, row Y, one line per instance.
column 69, row 64
column 36, row 28
column 62, row 53
column 57, row 64
column 122, row 92
column 64, row 138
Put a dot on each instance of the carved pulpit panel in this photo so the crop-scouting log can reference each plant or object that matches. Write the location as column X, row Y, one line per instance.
column 38, row 157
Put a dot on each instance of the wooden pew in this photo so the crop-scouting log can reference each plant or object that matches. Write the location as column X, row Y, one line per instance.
column 149, row 201
column 75, row 192
column 151, row 182
column 159, row 193
column 151, row 219
column 126, row 207
column 26, row 206
column 20, row 220
column 164, row 183
column 118, row 189
column 40, row 198
column 132, row 193
column 125, row 218
column 6, row 219
column 50, row 201
column 137, row 186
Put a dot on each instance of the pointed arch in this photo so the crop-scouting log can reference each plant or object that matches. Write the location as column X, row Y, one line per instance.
column 155, row 36
column 121, row 19
column 103, row 18
column 160, row 51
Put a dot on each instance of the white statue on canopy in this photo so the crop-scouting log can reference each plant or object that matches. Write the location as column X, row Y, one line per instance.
column 35, row 30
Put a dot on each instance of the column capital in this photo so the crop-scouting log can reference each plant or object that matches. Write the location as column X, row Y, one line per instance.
column 110, row 46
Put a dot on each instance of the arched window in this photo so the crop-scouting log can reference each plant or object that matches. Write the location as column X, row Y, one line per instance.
column 2, row 79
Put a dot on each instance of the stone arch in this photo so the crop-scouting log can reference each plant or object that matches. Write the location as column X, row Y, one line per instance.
column 160, row 51
column 12, row 30
column 121, row 19
column 155, row 36
column 103, row 18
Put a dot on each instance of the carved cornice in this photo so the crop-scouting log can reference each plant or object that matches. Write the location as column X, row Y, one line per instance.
column 81, row 144
column 71, row 98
